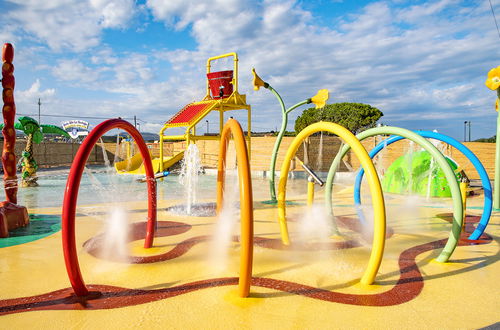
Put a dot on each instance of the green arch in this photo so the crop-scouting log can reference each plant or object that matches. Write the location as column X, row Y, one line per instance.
column 456, row 228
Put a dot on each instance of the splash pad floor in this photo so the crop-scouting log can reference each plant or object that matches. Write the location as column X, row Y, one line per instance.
column 314, row 284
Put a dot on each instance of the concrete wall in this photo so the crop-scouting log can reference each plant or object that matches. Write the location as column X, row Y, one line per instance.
column 50, row 154
column 262, row 148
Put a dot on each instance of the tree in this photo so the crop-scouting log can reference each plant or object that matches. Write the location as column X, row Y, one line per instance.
column 489, row 140
column 34, row 132
column 356, row 117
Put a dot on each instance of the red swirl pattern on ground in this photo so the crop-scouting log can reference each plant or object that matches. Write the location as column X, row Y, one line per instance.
column 408, row 286
column 170, row 228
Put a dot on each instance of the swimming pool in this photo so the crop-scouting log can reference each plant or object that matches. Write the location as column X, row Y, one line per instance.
column 101, row 184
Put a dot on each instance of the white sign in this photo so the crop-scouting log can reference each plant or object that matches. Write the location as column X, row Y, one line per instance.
column 76, row 128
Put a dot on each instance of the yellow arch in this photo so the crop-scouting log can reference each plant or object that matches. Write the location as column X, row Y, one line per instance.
column 373, row 180
column 246, row 199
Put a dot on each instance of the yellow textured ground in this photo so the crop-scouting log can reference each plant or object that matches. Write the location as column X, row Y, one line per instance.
column 464, row 293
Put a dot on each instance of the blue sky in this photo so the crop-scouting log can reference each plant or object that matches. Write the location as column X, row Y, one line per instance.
column 423, row 63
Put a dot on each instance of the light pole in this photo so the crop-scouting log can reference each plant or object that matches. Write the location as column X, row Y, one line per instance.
column 39, row 104
column 469, row 130
column 207, row 126
column 465, row 131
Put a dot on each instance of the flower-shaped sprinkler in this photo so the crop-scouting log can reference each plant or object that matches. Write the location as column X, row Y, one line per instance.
column 493, row 83
column 319, row 101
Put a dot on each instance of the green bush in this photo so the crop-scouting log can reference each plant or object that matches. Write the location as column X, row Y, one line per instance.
column 356, row 117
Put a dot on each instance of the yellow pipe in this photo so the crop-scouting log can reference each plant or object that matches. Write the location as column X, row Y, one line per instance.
column 249, row 133
column 127, row 144
column 463, row 191
column 161, row 147
column 188, row 136
column 310, row 192
column 372, row 178
column 203, row 137
column 246, row 199
column 175, row 137
column 221, row 120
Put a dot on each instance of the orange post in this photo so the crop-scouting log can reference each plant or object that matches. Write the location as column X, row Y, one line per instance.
column 246, row 199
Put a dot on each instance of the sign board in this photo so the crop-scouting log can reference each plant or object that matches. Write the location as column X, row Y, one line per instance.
column 76, row 128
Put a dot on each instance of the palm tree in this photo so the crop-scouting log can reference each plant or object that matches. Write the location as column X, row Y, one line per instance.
column 34, row 132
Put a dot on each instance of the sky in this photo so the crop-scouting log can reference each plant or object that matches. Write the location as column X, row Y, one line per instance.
column 422, row 63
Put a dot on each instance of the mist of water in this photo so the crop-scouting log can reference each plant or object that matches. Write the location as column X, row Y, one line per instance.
column 190, row 169
column 319, row 163
column 115, row 236
column 225, row 226
column 347, row 165
column 314, row 225
column 441, row 146
column 410, row 167
column 104, row 153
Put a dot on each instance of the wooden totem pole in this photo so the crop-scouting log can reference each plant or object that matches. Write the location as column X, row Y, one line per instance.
column 11, row 215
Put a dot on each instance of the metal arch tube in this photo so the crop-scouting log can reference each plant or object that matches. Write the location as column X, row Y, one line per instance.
column 71, row 196
column 454, row 236
column 246, row 198
column 373, row 180
column 279, row 138
column 485, row 180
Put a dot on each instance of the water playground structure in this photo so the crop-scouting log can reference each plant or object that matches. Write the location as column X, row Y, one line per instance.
column 307, row 259
column 221, row 95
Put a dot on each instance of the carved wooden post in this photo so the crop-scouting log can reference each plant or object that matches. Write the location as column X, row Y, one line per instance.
column 9, row 133
column 11, row 215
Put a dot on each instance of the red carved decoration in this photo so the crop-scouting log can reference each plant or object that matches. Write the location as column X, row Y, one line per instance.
column 11, row 215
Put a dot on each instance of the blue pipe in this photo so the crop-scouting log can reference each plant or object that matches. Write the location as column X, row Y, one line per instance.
column 485, row 181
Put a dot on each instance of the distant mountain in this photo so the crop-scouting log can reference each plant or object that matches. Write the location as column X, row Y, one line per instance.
column 148, row 137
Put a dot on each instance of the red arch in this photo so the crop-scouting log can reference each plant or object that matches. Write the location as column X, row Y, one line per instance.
column 71, row 196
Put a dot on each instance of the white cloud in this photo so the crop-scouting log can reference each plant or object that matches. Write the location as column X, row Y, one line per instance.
column 416, row 58
column 70, row 24
column 74, row 70
column 426, row 61
column 26, row 99
column 115, row 13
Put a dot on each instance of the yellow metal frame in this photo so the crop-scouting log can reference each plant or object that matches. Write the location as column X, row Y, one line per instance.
column 235, row 101
column 246, row 198
column 378, row 243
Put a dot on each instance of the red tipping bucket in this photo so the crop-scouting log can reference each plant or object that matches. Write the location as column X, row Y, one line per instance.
column 220, row 84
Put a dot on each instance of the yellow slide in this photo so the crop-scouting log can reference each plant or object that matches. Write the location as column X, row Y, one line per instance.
column 134, row 165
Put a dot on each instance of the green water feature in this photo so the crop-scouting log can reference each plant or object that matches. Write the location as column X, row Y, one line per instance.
column 421, row 178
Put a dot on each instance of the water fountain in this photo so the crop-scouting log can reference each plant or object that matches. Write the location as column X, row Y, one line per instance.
column 485, row 181
column 188, row 176
column 165, row 287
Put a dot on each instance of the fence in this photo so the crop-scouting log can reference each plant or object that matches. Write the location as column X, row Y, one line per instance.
column 53, row 154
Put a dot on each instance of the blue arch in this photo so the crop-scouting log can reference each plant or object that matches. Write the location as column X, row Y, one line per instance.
column 485, row 181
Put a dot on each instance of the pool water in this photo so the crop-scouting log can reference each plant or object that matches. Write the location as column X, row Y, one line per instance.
column 100, row 184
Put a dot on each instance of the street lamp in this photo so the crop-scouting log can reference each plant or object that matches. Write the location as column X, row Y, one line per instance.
column 207, row 126
column 469, row 130
column 465, row 131
column 39, row 104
